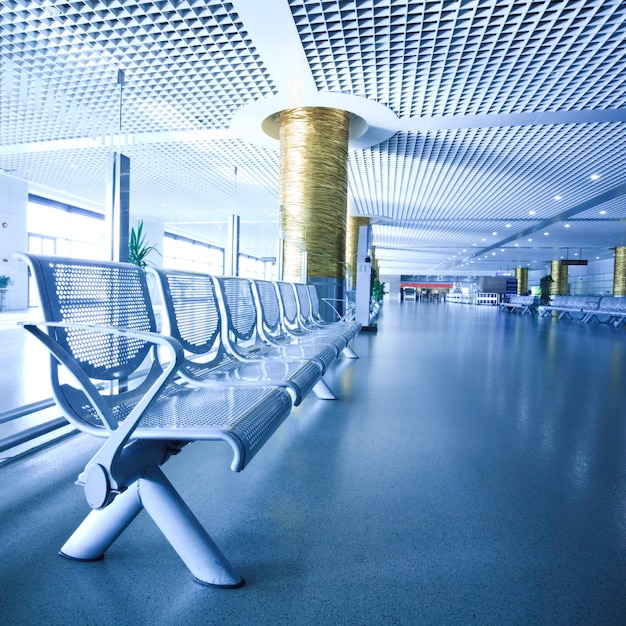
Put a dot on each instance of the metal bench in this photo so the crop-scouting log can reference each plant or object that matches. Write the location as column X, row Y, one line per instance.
column 608, row 310
column 519, row 304
column 347, row 322
column 272, row 330
column 346, row 330
column 569, row 307
column 215, row 321
column 99, row 327
column 292, row 322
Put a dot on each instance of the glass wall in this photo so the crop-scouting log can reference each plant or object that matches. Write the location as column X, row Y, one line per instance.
column 64, row 230
column 182, row 253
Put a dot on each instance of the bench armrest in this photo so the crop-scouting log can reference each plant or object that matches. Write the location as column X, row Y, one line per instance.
column 119, row 433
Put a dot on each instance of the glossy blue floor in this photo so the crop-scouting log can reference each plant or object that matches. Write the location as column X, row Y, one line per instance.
column 473, row 470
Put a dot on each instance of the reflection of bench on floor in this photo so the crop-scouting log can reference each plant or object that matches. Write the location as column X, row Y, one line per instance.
column 519, row 304
column 100, row 326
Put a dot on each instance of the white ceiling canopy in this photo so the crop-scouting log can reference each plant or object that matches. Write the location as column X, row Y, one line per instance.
column 494, row 131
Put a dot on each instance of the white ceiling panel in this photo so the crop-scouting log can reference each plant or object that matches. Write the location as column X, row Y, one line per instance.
column 510, row 116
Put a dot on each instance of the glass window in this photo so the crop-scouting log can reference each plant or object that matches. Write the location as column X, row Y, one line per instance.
column 181, row 253
column 61, row 229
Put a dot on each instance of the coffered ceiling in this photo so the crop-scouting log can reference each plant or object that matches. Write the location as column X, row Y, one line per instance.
column 496, row 128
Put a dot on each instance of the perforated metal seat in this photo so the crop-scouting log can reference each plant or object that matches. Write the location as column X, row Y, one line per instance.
column 215, row 322
column 272, row 329
column 100, row 328
column 348, row 325
column 292, row 322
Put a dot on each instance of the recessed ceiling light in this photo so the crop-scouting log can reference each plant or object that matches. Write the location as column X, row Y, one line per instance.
column 508, row 226
column 501, row 249
column 531, row 212
column 558, row 197
column 483, row 239
column 602, row 212
column 566, row 225
column 494, row 233
column 530, row 239
column 516, row 245
column 493, row 254
column 546, row 234
column 594, row 176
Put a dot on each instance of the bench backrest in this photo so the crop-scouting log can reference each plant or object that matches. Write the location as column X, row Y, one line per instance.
column 304, row 304
column 268, row 306
column 241, row 333
column 99, row 293
column 289, row 305
column 191, row 308
column 315, row 303
column 103, row 294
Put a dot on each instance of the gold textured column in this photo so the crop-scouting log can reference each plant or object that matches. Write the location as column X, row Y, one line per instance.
column 521, row 273
column 560, row 276
column 314, row 190
column 352, row 245
column 619, row 272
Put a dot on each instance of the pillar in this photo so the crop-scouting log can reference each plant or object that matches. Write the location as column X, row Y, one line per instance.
column 313, row 196
column 521, row 274
column 352, row 245
column 559, row 273
column 619, row 272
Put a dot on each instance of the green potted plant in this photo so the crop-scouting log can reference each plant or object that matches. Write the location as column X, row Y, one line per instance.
column 545, row 287
column 378, row 290
column 138, row 249
column 5, row 281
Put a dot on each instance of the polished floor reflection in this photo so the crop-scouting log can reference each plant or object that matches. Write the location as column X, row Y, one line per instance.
column 473, row 470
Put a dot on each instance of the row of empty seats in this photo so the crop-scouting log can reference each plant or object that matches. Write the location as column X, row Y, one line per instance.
column 589, row 309
column 519, row 304
column 232, row 358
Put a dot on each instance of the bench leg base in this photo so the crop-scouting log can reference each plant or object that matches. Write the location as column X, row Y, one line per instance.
column 323, row 391
column 349, row 353
column 181, row 528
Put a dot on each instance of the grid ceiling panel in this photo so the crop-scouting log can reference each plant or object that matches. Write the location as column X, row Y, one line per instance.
column 191, row 64
column 188, row 65
column 459, row 58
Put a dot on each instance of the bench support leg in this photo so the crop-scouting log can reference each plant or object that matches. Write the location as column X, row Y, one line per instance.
column 102, row 527
column 349, row 352
column 185, row 533
column 181, row 528
column 323, row 391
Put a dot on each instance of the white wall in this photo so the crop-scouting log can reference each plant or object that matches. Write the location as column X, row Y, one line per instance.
column 593, row 279
column 13, row 238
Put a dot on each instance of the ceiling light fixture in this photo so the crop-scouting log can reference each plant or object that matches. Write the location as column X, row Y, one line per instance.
column 531, row 212
column 558, row 197
column 594, row 176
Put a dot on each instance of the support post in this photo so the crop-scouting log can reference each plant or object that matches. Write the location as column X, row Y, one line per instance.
column 118, row 206
column 364, row 279
column 232, row 253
